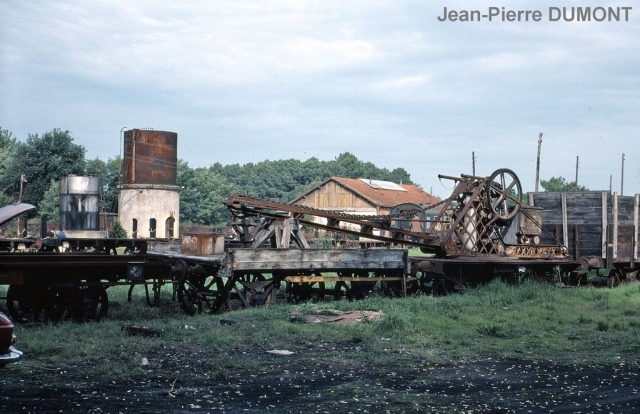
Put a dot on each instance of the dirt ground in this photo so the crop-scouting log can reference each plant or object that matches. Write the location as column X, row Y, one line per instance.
column 335, row 380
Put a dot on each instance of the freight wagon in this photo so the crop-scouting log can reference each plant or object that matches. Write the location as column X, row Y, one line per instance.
column 598, row 228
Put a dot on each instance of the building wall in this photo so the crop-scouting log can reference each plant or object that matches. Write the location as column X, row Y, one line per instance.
column 145, row 202
column 333, row 196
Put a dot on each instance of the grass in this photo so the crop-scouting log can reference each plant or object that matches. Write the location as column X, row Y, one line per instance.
column 528, row 320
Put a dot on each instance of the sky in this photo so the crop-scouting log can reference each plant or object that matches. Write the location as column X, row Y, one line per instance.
column 388, row 81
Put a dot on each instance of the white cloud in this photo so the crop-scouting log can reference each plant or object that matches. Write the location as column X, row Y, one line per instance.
column 387, row 82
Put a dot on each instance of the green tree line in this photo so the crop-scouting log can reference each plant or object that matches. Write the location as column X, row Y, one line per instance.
column 44, row 159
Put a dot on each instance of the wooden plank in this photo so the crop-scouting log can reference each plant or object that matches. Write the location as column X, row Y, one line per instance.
column 582, row 207
column 314, row 279
column 315, row 259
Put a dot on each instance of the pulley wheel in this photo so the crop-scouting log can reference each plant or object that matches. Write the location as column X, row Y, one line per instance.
column 504, row 194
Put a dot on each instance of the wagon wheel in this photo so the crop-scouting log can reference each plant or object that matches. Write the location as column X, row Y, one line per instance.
column 79, row 303
column 153, row 298
column 616, row 278
column 441, row 285
column 248, row 290
column 340, row 289
column 28, row 304
column 504, row 194
column 131, row 250
column 243, row 224
column 392, row 289
column 302, row 292
column 179, row 273
column 196, row 292
column 359, row 287
column 90, row 304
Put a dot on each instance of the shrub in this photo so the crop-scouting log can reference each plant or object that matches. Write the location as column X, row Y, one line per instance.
column 117, row 231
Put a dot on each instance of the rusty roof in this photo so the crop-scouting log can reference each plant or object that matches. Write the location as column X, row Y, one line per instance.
column 378, row 196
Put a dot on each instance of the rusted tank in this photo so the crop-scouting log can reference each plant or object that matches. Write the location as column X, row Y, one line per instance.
column 202, row 243
column 150, row 157
column 79, row 203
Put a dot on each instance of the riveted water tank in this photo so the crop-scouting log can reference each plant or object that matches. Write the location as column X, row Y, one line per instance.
column 150, row 157
column 80, row 203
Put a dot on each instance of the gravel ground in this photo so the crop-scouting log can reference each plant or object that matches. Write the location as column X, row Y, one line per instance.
column 309, row 381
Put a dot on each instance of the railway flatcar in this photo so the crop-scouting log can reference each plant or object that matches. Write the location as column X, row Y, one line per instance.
column 50, row 279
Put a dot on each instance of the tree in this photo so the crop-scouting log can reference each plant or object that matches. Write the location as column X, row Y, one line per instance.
column 44, row 158
column 110, row 174
column 560, row 184
column 50, row 204
column 7, row 181
column 284, row 180
column 202, row 194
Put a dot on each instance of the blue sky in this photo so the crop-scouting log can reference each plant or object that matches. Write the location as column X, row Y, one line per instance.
column 245, row 81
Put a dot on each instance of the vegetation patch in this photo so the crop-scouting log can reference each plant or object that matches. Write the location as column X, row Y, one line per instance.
column 422, row 352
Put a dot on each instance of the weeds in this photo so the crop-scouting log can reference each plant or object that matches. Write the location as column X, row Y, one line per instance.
column 529, row 319
column 494, row 330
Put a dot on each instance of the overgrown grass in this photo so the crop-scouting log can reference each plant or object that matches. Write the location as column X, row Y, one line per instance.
column 529, row 320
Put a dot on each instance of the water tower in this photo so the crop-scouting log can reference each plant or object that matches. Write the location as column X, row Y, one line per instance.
column 149, row 199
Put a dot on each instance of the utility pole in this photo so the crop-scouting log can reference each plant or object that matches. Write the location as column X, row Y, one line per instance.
column 121, row 155
column 577, row 163
column 622, row 177
column 610, row 183
column 538, row 162
column 473, row 163
column 22, row 181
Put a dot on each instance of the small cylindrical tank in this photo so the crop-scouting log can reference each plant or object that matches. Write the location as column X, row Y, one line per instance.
column 80, row 203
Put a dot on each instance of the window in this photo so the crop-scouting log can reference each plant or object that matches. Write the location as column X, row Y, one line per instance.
column 168, row 227
column 152, row 228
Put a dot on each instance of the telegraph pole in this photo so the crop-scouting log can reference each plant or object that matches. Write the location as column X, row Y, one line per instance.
column 538, row 162
column 473, row 163
column 610, row 183
column 121, row 154
column 622, row 177
column 577, row 163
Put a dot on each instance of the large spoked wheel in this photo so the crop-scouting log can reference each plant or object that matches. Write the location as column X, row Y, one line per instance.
column 38, row 304
column 243, row 225
column 249, row 290
column 91, row 304
column 302, row 292
column 28, row 303
column 504, row 194
column 199, row 293
column 360, row 287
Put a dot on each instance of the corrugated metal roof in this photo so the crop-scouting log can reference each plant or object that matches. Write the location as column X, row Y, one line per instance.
column 379, row 196
column 7, row 213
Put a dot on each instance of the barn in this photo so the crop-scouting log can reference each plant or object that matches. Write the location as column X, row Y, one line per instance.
column 363, row 196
